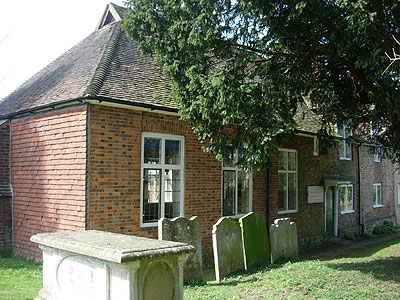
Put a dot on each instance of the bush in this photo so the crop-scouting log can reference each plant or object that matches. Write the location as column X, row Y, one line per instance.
column 385, row 228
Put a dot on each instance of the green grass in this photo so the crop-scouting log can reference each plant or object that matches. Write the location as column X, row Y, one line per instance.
column 372, row 273
column 19, row 279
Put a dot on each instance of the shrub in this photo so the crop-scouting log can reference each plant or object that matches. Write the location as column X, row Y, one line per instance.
column 385, row 228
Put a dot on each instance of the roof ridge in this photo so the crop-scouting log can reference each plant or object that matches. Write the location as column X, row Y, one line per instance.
column 101, row 71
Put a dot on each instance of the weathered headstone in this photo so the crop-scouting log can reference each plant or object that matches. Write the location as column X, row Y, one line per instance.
column 284, row 243
column 228, row 247
column 185, row 231
column 97, row 265
column 255, row 239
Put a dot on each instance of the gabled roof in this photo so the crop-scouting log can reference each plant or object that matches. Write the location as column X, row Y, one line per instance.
column 106, row 66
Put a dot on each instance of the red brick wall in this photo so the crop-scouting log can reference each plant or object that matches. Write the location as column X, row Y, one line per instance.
column 5, row 201
column 376, row 172
column 115, row 154
column 48, row 167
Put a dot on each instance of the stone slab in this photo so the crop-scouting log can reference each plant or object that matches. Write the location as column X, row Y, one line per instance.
column 255, row 239
column 228, row 247
column 284, row 244
column 186, row 231
column 110, row 246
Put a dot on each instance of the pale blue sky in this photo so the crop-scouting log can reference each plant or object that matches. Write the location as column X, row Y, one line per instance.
column 37, row 32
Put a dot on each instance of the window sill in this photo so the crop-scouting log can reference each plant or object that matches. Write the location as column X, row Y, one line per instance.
column 377, row 206
column 344, row 212
column 282, row 212
column 236, row 217
column 345, row 158
column 149, row 225
column 377, row 161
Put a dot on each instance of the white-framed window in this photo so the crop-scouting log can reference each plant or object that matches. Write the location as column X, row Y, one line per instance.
column 316, row 146
column 236, row 186
column 398, row 194
column 378, row 195
column 287, row 181
column 377, row 154
column 346, row 198
column 162, row 173
column 344, row 131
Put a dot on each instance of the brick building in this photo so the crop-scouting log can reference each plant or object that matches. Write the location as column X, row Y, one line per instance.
column 94, row 141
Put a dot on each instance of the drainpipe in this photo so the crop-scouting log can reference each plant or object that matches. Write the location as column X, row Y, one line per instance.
column 361, row 226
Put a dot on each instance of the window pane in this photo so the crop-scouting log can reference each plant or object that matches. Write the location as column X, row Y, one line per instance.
column 375, row 196
column 151, row 195
column 342, row 198
column 342, row 145
column 292, row 161
column 172, row 193
column 282, row 159
column 292, row 191
column 340, row 130
column 172, row 152
column 152, row 151
column 282, row 195
column 229, row 193
column 349, row 198
column 230, row 158
column 347, row 131
column 243, row 192
column 348, row 150
column 379, row 194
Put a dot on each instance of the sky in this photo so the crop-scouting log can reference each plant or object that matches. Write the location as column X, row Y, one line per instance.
column 34, row 33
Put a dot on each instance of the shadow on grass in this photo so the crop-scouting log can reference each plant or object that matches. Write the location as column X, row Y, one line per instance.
column 385, row 269
column 234, row 278
column 10, row 261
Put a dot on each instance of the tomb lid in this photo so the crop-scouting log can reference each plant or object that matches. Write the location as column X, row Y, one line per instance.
column 110, row 246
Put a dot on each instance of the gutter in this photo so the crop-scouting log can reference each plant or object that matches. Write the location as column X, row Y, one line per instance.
column 86, row 99
column 361, row 226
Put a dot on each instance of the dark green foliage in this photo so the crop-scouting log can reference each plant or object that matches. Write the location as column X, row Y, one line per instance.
column 385, row 228
column 240, row 68
column 349, row 237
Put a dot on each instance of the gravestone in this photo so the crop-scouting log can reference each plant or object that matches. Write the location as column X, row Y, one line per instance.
column 255, row 240
column 284, row 243
column 185, row 231
column 227, row 246
column 97, row 265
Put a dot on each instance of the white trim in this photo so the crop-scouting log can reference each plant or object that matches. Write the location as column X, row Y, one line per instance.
column 289, row 211
column 316, row 146
column 343, row 212
column 236, row 169
column 162, row 166
column 335, row 208
column 379, row 199
column 345, row 142
column 378, row 154
column 398, row 194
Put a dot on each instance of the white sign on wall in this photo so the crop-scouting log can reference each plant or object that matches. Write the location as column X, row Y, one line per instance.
column 315, row 194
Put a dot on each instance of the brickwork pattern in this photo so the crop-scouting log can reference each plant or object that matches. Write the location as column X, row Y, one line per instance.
column 5, row 201
column 48, row 174
column 115, row 155
column 376, row 172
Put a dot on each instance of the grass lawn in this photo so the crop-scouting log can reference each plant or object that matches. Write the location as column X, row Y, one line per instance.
column 372, row 273
column 19, row 279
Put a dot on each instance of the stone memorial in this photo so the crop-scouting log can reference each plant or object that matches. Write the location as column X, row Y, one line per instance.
column 104, row 266
column 186, row 231
column 284, row 243
column 255, row 239
column 228, row 247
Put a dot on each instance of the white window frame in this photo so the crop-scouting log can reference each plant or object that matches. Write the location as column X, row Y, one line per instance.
column 378, row 195
column 398, row 194
column 343, row 142
column 347, row 185
column 290, row 211
column 162, row 166
column 236, row 169
column 316, row 146
column 377, row 154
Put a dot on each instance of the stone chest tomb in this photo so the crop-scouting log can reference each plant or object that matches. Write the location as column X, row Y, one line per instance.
column 101, row 265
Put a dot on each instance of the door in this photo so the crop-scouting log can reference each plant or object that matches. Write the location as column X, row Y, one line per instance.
column 330, row 211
